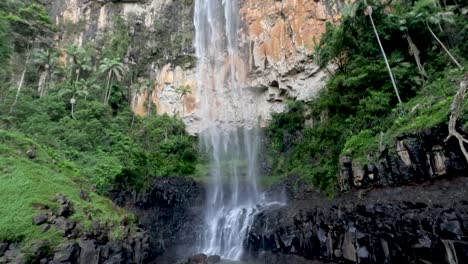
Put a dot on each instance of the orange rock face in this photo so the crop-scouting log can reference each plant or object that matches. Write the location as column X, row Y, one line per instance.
column 279, row 30
column 277, row 38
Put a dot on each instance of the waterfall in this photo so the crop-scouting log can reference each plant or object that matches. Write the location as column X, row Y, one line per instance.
column 229, row 134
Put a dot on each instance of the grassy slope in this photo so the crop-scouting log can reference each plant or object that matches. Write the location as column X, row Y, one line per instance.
column 26, row 182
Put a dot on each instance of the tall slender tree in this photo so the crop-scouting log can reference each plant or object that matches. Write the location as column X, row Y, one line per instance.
column 113, row 68
column 369, row 13
column 429, row 12
column 32, row 25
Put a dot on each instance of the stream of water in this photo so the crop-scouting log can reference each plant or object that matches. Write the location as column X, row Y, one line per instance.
column 233, row 193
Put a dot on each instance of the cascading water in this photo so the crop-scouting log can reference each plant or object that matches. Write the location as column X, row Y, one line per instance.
column 232, row 193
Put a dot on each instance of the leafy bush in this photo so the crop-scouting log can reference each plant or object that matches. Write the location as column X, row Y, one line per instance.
column 108, row 148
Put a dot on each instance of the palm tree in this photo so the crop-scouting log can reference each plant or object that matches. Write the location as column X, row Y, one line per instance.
column 113, row 67
column 183, row 90
column 369, row 13
column 87, row 85
column 75, row 91
column 80, row 59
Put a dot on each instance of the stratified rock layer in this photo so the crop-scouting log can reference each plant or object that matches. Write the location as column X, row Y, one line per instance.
column 414, row 224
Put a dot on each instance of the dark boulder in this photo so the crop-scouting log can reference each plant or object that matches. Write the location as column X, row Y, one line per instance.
column 3, row 247
column 198, row 259
column 65, row 206
column 31, row 153
column 39, row 219
column 89, row 252
column 65, row 225
column 214, row 259
column 67, row 253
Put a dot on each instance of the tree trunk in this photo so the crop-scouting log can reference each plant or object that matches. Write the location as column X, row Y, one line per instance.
column 148, row 107
column 454, row 115
column 73, row 102
column 78, row 72
column 443, row 46
column 41, row 83
column 49, row 74
column 47, row 81
column 21, row 82
column 183, row 107
column 73, row 111
column 110, row 89
column 369, row 10
column 133, row 121
column 18, row 90
column 130, row 91
column 413, row 50
column 107, row 87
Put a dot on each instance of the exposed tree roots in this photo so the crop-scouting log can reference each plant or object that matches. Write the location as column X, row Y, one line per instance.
column 454, row 115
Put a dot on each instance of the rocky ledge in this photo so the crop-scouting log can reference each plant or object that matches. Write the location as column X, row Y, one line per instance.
column 413, row 158
column 414, row 224
column 80, row 245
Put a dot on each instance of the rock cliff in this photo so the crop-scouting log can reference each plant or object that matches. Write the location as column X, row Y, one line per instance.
column 413, row 158
column 277, row 39
column 170, row 211
column 413, row 224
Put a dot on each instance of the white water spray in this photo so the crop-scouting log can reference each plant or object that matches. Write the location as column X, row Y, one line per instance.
column 233, row 195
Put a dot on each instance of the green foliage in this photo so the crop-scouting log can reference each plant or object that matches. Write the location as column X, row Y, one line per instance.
column 357, row 113
column 108, row 147
column 29, row 23
column 27, row 183
column 362, row 146
column 166, row 149
column 183, row 90
column 5, row 39
column 283, row 127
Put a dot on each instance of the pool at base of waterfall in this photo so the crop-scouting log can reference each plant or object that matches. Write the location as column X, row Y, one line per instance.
column 237, row 262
